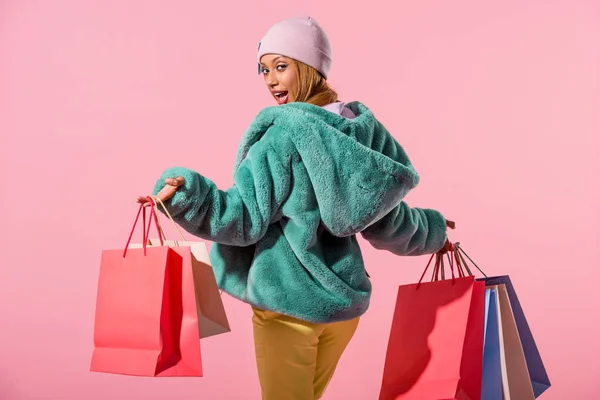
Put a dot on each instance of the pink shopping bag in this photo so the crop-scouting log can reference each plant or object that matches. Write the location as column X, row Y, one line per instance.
column 146, row 320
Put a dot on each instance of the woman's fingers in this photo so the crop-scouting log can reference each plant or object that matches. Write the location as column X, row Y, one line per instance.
column 168, row 191
column 179, row 181
column 448, row 246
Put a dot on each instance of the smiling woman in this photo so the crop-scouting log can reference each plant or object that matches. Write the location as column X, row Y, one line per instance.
column 289, row 80
column 311, row 174
column 281, row 76
column 294, row 70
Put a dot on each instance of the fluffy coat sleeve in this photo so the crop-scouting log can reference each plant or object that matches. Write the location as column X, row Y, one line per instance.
column 239, row 216
column 408, row 231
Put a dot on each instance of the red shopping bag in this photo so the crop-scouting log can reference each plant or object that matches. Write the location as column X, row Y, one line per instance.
column 146, row 321
column 436, row 340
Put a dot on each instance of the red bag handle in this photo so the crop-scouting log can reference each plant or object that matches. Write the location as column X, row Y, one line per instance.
column 145, row 232
column 457, row 259
column 426, row 268
column 439, row 265
column 453, row 259
column 161, row 234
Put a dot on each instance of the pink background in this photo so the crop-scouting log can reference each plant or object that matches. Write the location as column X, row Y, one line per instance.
column 496, row 102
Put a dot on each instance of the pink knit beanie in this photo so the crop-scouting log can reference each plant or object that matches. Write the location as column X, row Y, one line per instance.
column 300, row 38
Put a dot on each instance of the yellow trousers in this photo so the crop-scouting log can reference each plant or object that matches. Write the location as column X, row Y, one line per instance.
column 296, row 359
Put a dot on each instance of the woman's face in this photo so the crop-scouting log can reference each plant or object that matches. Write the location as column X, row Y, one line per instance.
column 280, row 76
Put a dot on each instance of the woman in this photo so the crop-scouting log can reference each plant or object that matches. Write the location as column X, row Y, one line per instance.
column 310, row 175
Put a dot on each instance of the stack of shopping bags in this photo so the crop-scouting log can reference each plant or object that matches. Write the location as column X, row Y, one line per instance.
column 461, row 337
column 155, row 301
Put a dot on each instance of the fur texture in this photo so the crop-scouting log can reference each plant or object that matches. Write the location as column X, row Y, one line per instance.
column 306, row 182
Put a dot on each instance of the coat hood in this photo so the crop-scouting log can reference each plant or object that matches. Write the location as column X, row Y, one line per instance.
column 358, row 171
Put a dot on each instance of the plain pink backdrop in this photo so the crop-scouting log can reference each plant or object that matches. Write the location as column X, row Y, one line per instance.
column 496, row 102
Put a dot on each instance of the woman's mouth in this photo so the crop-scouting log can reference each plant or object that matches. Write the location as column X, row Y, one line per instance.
column 281, row 97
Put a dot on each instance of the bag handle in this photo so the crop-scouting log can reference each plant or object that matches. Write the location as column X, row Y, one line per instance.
column 438, row 267
column 462, row 266
column 441, row 265
column 461, row 272
column 441, row 258
column 146, row 237
column 156, row 199
column 460, row 255
column 145, row 232
column 456, row 257
column 426, row 268
column 176, row 226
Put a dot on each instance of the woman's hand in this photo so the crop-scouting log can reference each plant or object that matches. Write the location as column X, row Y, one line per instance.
column 168, row 191
column 448, row 246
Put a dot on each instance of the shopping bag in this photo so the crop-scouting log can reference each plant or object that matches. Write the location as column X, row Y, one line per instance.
column 535, row 366
column 491, row 384
column 536, row 371
column 436, row 340
column 146, row 322
column 515, row 376
column 212, row 319
column 538, row 376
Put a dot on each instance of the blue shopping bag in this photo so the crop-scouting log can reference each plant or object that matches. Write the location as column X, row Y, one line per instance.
column 537, row 372
column 491, row 385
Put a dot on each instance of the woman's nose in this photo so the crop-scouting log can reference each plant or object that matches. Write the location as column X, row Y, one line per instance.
column 271, row 80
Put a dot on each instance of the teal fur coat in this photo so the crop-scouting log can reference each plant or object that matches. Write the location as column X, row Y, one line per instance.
column 306, row 182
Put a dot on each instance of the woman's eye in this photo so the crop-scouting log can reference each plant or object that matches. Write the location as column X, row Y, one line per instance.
column 281, row 67
column 265, row 71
